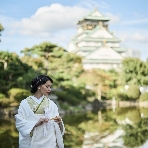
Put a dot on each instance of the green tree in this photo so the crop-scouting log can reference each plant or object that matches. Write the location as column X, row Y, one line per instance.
column 1, row 29
column 144, row 96
column 56, row 61
column 135, row 71
column 64, row 67
column 100, row 81
column 13, row 73
column 133, row 92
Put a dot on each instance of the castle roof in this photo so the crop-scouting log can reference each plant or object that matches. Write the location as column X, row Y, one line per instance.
column 94, row 15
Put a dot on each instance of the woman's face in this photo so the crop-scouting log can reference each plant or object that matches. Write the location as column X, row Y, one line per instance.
column 46, row 88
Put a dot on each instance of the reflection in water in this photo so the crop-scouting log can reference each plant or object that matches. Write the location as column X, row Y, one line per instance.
column 130, row 129
column 8, row 133
column 122, row 127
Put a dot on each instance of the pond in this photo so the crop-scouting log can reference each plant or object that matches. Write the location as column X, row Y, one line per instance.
column 106, row 128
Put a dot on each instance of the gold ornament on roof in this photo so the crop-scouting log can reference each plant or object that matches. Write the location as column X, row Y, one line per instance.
column 88, row 27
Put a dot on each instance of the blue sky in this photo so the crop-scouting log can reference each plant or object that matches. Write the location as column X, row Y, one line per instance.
column 28, row 23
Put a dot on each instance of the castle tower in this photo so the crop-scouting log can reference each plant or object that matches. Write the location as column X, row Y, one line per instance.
column 98, row 46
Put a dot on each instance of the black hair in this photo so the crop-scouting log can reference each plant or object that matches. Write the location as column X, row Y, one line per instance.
column 42, row 79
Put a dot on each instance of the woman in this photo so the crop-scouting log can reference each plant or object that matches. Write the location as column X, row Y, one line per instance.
column 38, row 120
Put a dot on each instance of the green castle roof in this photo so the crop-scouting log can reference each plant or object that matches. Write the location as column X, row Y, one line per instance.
column 118, row 49
column 90, row 17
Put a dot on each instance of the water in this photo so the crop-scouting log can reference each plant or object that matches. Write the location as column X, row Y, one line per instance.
column 107, row 128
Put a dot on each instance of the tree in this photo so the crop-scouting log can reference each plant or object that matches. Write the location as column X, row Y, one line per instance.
column 99, row 80
column 56, row 61
column 133, row 92
column 1, row 29
column 14, row 73
column 135, row 71
column 64, row 67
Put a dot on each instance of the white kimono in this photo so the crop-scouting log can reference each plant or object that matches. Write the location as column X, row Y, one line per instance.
column 25, row 122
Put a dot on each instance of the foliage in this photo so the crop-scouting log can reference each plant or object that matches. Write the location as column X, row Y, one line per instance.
column 144, row 96
column 18, row 94
column 62, row 66
column 2, row 96
column 118, row 93
column 5, row 102
column 134, row 115
column 120, row 113
column 99, row 81
column 135, row 71
column 74, row 135
column 46, row 58
column 122, row 97
column 14, row 73
column 136, row 136
column 1, row 27
column 133, row 92
column 73, row 95
column 64, row 96
column 55, row 61
column 144, row 112
column 8, row 134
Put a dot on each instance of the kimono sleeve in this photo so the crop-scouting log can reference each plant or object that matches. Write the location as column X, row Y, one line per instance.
column 56, row 113
column 23, row 125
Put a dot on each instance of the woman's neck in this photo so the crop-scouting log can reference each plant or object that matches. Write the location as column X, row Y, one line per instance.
column 38, row 95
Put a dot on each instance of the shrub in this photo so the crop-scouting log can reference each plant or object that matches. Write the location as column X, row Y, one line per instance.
column 18, row 94
column 2, row 96
column 5, row 102
column 133, row 92
column 119, row 93
column 111, row 93
column 122, row 96
column 67, row 97
column 144, row 96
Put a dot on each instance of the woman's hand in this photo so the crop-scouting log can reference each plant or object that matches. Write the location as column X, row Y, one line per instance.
column 58, row 119
column 41, row 121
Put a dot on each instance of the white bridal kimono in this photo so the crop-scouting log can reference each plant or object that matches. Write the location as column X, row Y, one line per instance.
column 47, row 135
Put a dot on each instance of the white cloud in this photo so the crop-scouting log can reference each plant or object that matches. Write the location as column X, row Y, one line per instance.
column 57, row 23
column 50, row 19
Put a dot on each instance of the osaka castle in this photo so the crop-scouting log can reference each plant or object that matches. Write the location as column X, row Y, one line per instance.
column 98, row 46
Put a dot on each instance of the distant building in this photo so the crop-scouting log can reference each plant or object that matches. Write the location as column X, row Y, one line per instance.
column 98, row 46
column 133, row 53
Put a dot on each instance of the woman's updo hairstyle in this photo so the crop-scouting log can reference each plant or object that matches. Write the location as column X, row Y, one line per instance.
column 36, row 82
